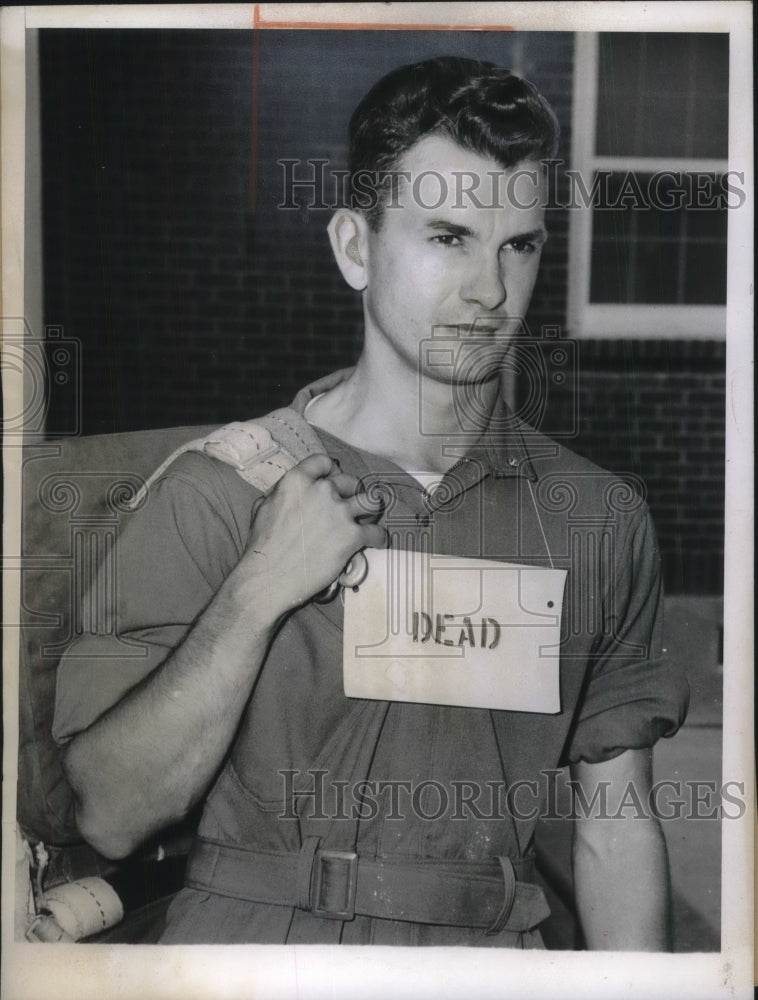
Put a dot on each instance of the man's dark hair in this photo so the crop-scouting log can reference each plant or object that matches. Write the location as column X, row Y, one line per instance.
column 479, row 105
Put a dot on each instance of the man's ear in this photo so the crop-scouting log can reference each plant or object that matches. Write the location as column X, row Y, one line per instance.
column 348, row 234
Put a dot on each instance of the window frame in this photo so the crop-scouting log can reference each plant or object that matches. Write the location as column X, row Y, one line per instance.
column 609, row 320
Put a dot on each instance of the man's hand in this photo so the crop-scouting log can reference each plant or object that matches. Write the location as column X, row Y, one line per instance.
column 306, row 531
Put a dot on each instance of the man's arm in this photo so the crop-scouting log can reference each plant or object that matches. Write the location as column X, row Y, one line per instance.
column 148, row 760
column 620, row 864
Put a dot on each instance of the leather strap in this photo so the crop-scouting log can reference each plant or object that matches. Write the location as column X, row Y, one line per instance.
column 449, row 893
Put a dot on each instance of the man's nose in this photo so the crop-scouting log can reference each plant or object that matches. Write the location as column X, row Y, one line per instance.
column 485, row 284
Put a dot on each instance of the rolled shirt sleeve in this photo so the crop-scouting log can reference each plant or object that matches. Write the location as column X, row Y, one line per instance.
column 170, row 559
column 635, row 694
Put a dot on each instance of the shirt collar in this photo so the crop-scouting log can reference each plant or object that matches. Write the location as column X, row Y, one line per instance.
column 501, row 452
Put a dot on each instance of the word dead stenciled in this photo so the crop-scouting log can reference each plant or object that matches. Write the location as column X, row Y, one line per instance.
column 484, row 633
column 454, row 630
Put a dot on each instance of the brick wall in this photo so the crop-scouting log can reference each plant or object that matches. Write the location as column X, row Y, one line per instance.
column 655, row 408
column 197, row 300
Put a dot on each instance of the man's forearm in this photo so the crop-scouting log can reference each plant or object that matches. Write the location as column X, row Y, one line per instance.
column 622, row 884
column 147, row 761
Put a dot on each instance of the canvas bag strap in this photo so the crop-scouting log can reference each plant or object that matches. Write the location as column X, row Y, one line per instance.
column 260, row 450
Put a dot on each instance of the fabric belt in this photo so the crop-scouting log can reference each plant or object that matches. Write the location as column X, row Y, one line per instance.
column 339, row 884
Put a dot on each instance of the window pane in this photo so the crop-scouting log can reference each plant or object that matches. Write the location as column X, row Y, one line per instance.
column 705, row 275
column 663, row 95
column 645, row 252
column 628, row 271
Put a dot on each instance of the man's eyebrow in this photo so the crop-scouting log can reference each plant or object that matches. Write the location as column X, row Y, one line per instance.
column 538, row 235
column 453, row 228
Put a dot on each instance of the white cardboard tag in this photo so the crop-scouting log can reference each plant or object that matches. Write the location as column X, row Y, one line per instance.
column 449, row 631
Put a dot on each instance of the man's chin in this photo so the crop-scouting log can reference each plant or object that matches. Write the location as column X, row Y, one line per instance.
column 466, row 354
column 479, row 365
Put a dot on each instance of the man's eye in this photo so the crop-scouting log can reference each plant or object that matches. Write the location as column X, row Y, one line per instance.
column 524, row 247
column 447, row 240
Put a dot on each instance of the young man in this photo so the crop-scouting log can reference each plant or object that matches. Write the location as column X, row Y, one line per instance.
column 239, row 698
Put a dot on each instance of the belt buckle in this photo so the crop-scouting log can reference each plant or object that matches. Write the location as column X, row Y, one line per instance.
column 328, row 897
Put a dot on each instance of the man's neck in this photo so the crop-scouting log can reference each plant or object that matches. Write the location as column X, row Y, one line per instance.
column 387, row 409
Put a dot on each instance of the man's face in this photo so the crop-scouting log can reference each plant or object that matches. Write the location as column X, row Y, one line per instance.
column 461, row 252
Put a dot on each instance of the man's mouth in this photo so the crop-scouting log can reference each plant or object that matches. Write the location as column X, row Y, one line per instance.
column 489, row 328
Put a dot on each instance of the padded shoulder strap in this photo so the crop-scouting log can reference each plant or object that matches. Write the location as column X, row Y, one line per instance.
column 260, row 450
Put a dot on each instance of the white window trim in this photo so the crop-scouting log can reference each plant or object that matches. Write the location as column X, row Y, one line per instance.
column 587, row 319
